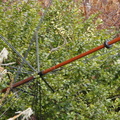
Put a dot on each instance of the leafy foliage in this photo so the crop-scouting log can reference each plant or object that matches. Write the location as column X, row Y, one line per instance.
column 86, row 89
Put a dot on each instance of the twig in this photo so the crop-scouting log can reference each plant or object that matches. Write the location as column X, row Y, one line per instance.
column 8, row 64
column 8, row 90
column 55, row 49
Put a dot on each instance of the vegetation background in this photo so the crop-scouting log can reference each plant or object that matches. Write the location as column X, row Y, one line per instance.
column 87, row 89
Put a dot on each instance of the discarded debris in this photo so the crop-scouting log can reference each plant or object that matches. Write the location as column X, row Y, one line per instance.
column 26, row 114
column 3, row 56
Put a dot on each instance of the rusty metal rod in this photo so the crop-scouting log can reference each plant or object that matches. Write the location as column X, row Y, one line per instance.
column 62, row 64
column 79, row 56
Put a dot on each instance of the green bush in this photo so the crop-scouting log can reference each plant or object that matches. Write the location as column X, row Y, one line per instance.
column 87, row 89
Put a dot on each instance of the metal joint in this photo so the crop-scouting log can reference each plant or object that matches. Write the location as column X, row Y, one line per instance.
column 107, row 45
column 40, row 74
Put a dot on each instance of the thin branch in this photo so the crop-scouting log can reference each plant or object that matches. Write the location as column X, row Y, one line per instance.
column 8, row 90
column 7, row 64
column 57, row 48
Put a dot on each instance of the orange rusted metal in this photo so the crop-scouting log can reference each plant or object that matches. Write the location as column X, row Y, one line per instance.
column 19, row 83
column 63, row 63
column 79, row 56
